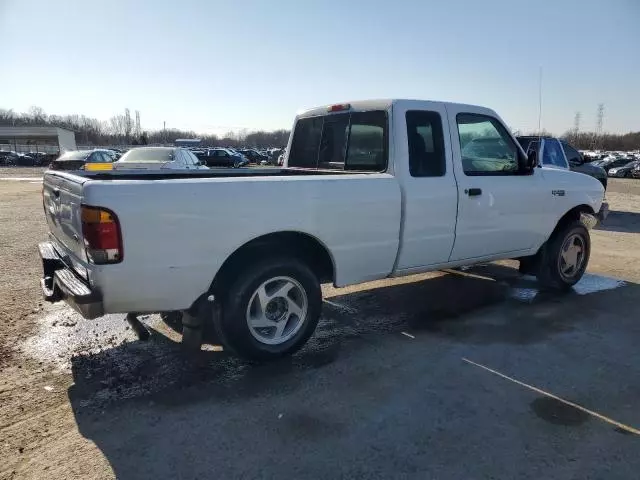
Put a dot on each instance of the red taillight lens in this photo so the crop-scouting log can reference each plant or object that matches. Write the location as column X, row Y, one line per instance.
column 102, row 236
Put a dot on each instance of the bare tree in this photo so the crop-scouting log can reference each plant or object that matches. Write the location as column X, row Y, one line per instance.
column 37, row 114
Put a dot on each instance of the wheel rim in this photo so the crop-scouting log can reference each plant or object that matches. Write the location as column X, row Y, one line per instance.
column 277, row 310
column 572, row 255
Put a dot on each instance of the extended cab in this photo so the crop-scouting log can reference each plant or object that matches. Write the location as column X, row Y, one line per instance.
column 369, row 190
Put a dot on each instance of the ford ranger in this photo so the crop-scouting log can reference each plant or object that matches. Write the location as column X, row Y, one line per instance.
column 368, row 190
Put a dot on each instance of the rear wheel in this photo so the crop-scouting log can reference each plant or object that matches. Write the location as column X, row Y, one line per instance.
column 564, row 258
column 270, row 310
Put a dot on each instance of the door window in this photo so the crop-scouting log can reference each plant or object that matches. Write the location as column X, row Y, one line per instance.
column 486, row 147
column 426, row 144
column 552, row 154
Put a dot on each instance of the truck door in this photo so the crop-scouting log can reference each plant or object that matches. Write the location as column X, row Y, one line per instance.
column 429, row 195
column 500, row 209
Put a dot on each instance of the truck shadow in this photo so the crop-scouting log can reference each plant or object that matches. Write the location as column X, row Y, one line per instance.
column 618, row 221
column 163, row 386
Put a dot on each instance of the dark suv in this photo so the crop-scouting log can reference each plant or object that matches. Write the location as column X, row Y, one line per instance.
column 557, row 153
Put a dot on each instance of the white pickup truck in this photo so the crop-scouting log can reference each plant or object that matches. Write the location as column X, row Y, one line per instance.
column 369, row 190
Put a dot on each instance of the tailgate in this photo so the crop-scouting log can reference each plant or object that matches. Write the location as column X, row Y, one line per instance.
column 62, row 197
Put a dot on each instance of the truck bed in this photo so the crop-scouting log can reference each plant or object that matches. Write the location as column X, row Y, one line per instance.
column 211, row 173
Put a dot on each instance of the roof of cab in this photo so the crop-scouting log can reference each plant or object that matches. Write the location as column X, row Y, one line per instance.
column 381, row 104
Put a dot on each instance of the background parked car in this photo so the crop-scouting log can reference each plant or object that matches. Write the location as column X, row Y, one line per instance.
column 83, row 159
column 254, row 156
column 625, row 170
column 223, row 157
column 159, row 158
column 613, row 162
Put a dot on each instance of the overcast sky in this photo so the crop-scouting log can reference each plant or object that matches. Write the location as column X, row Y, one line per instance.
column 212, row 66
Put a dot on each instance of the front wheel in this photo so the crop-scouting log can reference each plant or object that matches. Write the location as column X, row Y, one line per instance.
column 270, row 310
column 564, row 258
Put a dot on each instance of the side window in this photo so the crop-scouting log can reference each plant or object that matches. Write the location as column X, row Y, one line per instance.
column 573, row 156
column 105, row 157
column 306, row 141
column 194, row 160
column 426, row 144
column 486, row 147
column 552, row 154
column 367, row 149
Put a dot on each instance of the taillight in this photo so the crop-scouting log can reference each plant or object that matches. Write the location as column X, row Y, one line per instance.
column 102, row 236
column 341, row 107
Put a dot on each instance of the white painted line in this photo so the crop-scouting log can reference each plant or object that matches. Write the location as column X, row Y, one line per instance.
column 22, row 179
column 555, row 397
column 407, row 335
column 341, row 307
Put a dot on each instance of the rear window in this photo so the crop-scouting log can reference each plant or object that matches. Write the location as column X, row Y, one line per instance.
column 81, row 155
column 149, row 155
column 344, row 141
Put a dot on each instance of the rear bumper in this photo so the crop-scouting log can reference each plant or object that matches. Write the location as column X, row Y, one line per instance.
column 59, row 282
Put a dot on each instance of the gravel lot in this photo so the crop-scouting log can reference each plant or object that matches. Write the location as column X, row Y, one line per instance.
column 402, row 379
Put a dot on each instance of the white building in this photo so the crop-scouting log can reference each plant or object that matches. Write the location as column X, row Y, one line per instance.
column 37, row 139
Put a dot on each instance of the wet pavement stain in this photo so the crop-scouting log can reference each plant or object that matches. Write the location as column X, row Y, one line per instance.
column 108, row 363
column 558, row 413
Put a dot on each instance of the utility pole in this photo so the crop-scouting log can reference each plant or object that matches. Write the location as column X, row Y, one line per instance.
column 540, row 102
column 576, row 127
column 597, row 134
column 576, row 123
column 164, row 132
column 138, row 132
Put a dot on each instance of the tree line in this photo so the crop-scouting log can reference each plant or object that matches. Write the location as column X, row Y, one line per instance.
column 605, row 141
column 121, row 130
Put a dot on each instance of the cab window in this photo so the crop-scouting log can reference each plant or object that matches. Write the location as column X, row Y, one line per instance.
column 341, row 141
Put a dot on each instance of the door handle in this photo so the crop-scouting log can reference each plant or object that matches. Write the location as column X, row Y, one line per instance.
column 473, row 192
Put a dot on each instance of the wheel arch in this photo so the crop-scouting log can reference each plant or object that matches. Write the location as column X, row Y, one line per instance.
column 291, row 243
column 571, row 216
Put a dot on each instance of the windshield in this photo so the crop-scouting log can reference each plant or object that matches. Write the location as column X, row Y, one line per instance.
column 155, row 154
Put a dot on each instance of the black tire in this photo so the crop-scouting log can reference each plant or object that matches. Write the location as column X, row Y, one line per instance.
column 549, row 272
column 231, row 323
